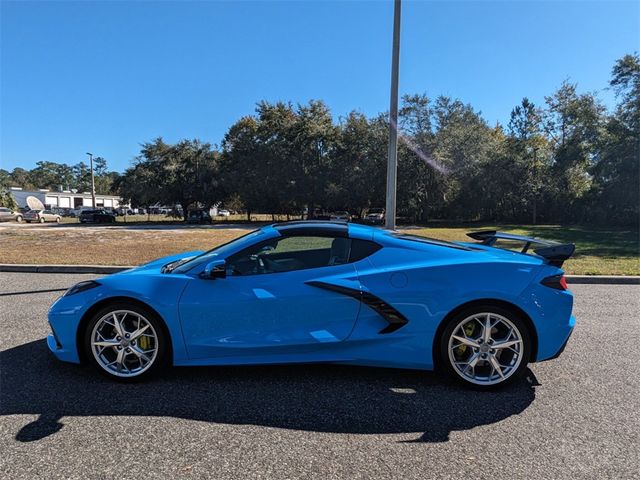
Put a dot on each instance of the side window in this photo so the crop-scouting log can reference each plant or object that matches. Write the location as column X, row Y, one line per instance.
column 362, row 249
column 287, row 254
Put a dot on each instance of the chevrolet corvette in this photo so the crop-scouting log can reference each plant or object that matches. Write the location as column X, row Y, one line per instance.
column 334, row 292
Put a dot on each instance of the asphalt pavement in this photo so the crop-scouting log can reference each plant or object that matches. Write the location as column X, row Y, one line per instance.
column 574, row 417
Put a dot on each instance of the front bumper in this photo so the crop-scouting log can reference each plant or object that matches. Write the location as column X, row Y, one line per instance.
column 64, row 317
column 61, row 353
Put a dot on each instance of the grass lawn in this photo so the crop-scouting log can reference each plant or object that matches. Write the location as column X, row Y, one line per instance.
column 610, row 251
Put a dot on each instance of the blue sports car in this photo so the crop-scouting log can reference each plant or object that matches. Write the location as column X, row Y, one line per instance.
column 315, row 291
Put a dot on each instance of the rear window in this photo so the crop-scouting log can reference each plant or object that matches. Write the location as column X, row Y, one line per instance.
column 431, row 241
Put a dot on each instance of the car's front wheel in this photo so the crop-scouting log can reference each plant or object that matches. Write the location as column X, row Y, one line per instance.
column 126, row 342
column 19, row 219
column 485, row 346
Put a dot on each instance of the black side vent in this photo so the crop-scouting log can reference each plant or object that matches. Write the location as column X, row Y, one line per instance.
column 395, row 319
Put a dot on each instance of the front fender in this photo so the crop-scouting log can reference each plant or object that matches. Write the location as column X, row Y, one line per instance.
column 159, row 292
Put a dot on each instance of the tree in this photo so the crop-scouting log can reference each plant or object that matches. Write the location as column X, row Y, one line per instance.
column 528, row 152
column 574, row 123
column 616, row 195
column 184, row 174
column 6, row 199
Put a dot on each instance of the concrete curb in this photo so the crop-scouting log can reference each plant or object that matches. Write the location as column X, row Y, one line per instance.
column 103, row 269
column 603, row 279
column 106, row 269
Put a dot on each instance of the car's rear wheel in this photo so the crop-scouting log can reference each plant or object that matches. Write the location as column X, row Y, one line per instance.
column 41, row 220
column 57, row 219
column 19, row 219
column 485, row 346
column 126, row 342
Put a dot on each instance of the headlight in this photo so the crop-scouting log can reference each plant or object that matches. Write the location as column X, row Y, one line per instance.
column 81, row 287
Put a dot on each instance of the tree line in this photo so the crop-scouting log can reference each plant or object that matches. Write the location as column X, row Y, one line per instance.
column 568, row 160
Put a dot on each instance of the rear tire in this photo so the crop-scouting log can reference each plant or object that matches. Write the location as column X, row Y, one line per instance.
column 135, row 349
column 41, row 220
column 19, row 219
column 485, row 358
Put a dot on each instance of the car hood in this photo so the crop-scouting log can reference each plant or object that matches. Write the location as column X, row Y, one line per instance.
column 157, row 264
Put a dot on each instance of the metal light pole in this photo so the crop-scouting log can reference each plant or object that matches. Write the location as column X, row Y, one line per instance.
column 392, row 165
column 93, row 182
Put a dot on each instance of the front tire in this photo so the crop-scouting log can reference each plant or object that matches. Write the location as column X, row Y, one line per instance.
column 19, row 219
column 485, row 347
column 126, row 342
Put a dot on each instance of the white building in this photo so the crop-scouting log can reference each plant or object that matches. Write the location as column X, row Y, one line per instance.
column 64, row 199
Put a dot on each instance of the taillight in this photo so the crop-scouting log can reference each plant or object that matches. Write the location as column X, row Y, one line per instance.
column 556, row 281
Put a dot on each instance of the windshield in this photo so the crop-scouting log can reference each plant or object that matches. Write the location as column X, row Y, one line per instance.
column 220, row 251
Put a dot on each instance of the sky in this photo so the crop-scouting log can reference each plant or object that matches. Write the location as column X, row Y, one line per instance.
column 104, row 77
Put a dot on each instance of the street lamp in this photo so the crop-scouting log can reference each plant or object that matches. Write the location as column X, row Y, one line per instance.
column 392, row 162
column 93, row 182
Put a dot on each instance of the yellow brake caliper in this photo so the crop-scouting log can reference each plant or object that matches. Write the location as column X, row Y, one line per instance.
column 144, row 342
column 468, row 330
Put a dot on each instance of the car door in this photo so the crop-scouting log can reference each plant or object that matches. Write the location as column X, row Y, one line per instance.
column 265, row 305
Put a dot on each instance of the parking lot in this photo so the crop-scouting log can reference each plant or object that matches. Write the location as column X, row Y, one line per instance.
column 574, row 417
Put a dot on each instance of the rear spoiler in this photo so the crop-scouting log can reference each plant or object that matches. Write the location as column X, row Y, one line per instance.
column 555, row 253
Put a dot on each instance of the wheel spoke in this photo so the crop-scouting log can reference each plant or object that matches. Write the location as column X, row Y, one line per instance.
column 486, row 332
column 120, row 360
column 496, row 366
column 140, row 354
column 506, row 344
column 139, row 331
column 106, row 343
column 465, row 341
column 117, row 325
column 473, row 361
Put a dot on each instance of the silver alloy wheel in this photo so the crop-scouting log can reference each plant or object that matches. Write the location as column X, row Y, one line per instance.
column 485, row 348
column 124, row 343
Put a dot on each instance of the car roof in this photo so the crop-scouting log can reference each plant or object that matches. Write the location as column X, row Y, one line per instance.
column 324, row 228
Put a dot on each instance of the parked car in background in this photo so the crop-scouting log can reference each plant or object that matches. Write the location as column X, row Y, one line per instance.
column 199, row 216
column 41, row 216
column 341, row 216
column 65, row 212
column 97, row 216
column 224, row 213
column 8, row 215
column 319, row 214
column 375, row 216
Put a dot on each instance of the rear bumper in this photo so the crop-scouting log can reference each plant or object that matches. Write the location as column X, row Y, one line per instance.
column 555, row 341
column 572, row 322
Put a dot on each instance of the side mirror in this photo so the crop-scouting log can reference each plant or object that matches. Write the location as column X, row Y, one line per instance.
column 215, row 269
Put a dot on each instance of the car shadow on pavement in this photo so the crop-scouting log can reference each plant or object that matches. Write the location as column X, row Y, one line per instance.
column 318, row 398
